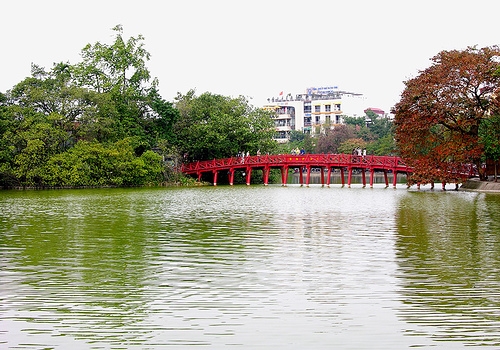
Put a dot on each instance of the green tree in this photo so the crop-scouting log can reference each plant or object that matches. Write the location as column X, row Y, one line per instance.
column 215, row 126
column 354, row 121
column 348, row 145
column 489, row 137
column 7, row 150
column 297, row 136
column 384, row 146
column 94, row 164
column 129, row 103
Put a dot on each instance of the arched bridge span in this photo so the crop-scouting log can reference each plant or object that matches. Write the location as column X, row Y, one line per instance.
column 345, row 163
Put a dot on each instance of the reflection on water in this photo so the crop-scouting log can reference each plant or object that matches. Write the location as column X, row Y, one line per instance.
column 447, row 250
column 249, row 267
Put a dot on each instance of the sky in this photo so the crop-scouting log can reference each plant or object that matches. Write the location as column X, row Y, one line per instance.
column 253, row 48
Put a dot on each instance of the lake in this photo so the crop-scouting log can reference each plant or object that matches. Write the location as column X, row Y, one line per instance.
column 250, row 267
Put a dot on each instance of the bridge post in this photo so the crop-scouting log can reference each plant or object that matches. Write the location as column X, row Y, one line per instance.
column 349, row 176
column 395, row 178
column 363, row 176
column 372, row 175
column 308, row 176
column 328, row 176
column 284, row 175
column 231, row 176
column 265, row 173
column 215, row 177
column 322, row 169
column 301, row 176
column 249, row 175
column 342, row 177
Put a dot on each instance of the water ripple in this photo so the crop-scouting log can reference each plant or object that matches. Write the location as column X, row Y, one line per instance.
column 254, row 267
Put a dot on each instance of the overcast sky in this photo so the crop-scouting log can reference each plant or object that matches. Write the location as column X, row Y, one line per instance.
column 254, row 48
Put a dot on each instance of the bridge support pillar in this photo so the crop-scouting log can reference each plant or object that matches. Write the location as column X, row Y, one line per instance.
column 231, row 176
column 349, row 177
column 284, row 175
column 301, row 176
column 386, row 179
column 342, row 177
column 249, row 175
column 363, row 176
column 328, row 176
column 372, row 176
column 395, row 178
column 215, row 177
column 265, row 174
column 308, row 176
column 322, row 169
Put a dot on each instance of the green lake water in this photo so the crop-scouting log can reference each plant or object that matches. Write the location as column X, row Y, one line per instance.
column 249, row 267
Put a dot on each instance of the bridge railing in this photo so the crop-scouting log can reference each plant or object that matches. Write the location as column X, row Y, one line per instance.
column 314, row 160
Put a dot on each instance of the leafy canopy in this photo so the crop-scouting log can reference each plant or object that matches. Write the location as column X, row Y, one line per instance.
column 215, row 126
column 440, row 112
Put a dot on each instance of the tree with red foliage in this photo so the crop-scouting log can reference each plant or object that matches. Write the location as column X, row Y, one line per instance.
column 440, row 112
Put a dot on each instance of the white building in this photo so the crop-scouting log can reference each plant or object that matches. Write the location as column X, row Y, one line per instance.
column 314, row 110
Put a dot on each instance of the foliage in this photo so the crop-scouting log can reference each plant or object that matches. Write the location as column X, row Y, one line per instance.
column 489, row 137
column 94, row 123
column 348, row 146
column 333, row 138
column 441, row 110
column 129, row 102
column 355, row 121
column 213, row 126
column 385, row 145
column 297, row 136
column 371, row 132
column 93, row 164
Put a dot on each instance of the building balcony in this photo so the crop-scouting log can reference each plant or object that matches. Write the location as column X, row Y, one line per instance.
column 283, row 116
column 284, row 128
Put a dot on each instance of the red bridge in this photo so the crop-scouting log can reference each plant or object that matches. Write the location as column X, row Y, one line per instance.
column 343, row 162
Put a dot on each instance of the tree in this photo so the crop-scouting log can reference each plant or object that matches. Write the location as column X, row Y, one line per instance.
column 489, row 137
column 105, row 105
column 332, row 139
column 297, row 136
column 349, row 145
column 128, row 100
column 438, row 117
column 359, row 121
column 94, row 164
column 215, row 126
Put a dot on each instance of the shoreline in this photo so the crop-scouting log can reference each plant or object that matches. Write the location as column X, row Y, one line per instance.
column 475, row 185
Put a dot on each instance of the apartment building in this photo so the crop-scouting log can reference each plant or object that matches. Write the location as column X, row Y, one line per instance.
column 313, row 111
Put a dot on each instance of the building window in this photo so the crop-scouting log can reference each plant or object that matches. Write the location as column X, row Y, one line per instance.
column 337, row 107
column 317, row 119
column 328, row 108
column 307, row 108
column 317, row 109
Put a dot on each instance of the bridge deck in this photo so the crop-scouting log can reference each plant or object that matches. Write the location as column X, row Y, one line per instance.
column 308, row 161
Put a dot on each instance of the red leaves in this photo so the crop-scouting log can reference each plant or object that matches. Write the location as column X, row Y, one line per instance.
column 438, row 117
